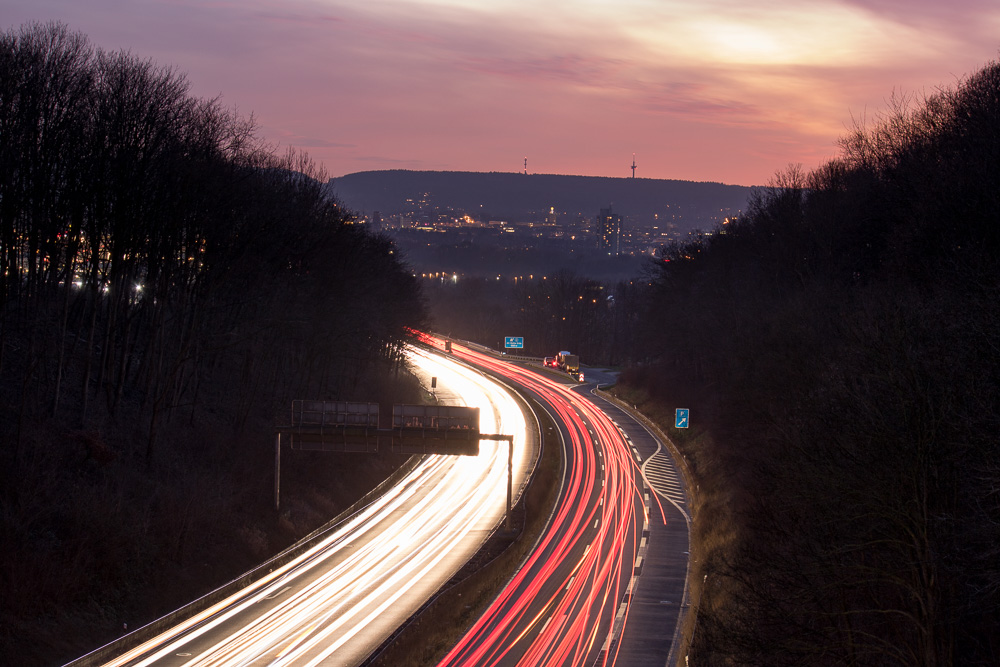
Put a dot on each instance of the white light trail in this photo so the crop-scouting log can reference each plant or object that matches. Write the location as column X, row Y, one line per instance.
column 345, row 595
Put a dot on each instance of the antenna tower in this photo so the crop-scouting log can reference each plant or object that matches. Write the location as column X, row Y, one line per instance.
column 633, row 165
column 525, row 166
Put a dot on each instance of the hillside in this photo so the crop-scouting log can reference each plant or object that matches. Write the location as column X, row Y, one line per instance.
column 516, row 197
column 164, row 296
column 837, row 348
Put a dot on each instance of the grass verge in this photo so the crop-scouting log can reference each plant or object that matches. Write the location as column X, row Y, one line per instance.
column 714, row 530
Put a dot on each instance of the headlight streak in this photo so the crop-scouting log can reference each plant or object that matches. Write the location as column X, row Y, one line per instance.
column 571, row 604
column 360, row 572
column 332, row 613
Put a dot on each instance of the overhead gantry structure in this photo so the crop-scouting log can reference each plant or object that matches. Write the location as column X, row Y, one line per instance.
column 356, row 427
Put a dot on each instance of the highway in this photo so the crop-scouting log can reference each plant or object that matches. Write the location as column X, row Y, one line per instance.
column 568, row 604
column 571, row 599
column 339, row 600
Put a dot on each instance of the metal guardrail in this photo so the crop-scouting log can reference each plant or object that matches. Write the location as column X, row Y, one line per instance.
column 150, row 630
column 496, row 353
column 690, row 489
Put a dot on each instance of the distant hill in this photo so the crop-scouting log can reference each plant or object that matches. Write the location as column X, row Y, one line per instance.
column 521, row 197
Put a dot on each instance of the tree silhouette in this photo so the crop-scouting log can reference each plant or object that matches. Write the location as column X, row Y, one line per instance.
column 168, row 284
column 839, row 343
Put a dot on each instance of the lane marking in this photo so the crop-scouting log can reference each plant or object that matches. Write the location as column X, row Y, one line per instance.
column 274, row 595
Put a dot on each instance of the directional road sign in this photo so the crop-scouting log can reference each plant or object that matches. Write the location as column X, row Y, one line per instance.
column 681, row 419
column 513, row 341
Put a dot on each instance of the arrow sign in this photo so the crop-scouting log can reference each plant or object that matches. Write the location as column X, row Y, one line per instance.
column 681, row 419
column 513, row 341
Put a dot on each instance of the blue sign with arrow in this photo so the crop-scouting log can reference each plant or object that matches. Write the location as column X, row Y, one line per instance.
column 681, row 420
column 513, row 341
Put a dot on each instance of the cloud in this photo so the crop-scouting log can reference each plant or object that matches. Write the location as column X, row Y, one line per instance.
column 303, row 18
column 719, row 86
column 689, row 99
column 383, row 162
column 312, row 142
column 568, row 67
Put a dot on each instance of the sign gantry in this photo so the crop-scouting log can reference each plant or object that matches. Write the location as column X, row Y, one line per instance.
column 355, row 427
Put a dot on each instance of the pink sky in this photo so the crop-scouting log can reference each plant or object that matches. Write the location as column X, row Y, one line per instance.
column 718, row 90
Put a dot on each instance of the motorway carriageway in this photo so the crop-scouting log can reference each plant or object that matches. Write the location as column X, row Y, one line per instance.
column 570, row 600
column 340, row 599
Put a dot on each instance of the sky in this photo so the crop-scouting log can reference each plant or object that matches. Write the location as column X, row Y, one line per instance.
column 730, row 91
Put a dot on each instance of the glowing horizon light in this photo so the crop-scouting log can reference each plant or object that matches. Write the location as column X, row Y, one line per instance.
column 714, row 90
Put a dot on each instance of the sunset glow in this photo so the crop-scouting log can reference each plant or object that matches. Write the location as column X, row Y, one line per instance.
column 722, row 91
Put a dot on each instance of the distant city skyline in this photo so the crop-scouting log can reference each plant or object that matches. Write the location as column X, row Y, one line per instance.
column 720, row 91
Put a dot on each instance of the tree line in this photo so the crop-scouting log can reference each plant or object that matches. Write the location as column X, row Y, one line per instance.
column 564, row 311
column 169, row 282
column 838, row 348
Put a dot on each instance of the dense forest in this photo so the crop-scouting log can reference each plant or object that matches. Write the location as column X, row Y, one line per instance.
column 839, row 349
column 168, row 284
column 565, row 311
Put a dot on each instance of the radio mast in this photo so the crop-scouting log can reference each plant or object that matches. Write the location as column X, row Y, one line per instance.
column 633, row 165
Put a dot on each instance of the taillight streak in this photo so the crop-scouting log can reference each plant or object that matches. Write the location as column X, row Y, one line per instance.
column 552, row 612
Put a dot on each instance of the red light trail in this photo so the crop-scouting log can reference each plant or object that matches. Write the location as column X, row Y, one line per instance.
column 563, row 600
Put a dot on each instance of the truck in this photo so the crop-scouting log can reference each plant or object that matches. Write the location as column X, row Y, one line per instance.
column 568, row 362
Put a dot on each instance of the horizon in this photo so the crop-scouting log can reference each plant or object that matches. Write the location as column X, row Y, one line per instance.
column 518, row 173
column 721, row 92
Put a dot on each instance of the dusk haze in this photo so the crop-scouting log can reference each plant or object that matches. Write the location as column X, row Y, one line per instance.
column 721, row 91
column 499, row 333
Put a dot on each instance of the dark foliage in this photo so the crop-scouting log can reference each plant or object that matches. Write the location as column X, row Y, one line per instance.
column 167, row 286
column 839, row 346
column 564, row 311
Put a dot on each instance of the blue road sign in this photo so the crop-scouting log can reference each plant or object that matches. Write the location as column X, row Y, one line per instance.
column 513, row 341
column 681, row 420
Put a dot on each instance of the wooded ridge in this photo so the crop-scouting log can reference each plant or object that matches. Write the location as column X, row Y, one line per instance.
column 168, row 284
column 515, row 197
column 837, row 346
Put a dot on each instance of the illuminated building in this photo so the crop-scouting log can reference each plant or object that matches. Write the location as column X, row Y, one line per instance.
column 609, row 232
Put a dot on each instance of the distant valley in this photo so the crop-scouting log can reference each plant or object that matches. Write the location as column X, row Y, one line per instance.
column 512, row 224
column 519, row 197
